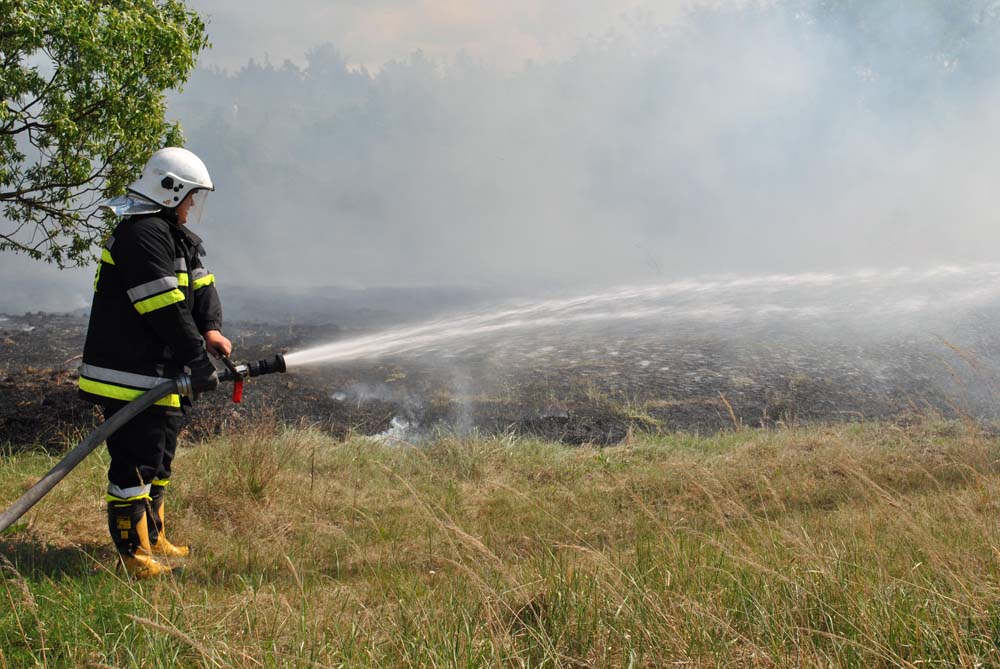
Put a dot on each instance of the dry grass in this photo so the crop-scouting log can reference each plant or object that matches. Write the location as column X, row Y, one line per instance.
column 849, row 545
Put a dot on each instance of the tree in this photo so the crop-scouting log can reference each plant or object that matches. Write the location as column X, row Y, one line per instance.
column 82, row 87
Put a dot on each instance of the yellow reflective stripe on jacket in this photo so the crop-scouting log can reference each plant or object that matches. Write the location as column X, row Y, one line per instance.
column 159, row 301
column 163, row 483
column 106, row 257
column 182, row 279
column 203, row 281
column 114, row 392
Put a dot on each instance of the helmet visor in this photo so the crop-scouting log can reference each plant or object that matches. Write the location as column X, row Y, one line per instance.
column 197, row 209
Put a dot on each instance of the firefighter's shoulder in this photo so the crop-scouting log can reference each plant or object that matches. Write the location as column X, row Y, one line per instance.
column 141, row 229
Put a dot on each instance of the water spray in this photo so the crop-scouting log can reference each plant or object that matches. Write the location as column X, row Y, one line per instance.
column 865, row 298
column 237, row 373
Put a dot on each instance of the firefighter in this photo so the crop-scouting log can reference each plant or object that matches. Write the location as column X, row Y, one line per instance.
column 156, row 314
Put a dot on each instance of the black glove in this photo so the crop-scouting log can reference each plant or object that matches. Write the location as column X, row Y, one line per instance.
column 204, row 378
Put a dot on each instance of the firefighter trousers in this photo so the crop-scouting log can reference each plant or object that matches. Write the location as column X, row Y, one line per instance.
column 142, row 451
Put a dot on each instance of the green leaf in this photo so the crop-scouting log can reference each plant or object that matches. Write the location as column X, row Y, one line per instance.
column 83, row 86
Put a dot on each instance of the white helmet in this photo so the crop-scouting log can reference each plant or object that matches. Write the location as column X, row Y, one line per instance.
column 169, row 175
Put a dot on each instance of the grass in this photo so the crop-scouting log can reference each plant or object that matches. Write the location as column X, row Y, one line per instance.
column 865, row 545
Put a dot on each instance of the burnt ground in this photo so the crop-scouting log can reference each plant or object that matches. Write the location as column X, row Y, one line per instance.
column 591, row 388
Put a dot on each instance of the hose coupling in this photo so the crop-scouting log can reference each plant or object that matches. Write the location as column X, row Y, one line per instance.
column 184, row 386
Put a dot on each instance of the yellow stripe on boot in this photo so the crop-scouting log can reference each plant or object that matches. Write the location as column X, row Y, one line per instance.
column 162, row 546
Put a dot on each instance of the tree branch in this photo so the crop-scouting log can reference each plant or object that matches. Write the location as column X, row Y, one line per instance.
column 31, row 125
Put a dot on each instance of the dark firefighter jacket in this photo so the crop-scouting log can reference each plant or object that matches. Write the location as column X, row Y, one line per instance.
column 152, row 300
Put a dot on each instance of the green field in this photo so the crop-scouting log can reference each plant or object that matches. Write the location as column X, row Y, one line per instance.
column 869, row 545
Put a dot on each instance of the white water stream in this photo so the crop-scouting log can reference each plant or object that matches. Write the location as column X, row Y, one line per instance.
column 922, row 299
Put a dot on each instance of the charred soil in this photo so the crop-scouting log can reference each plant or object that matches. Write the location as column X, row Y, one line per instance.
column 595, row 389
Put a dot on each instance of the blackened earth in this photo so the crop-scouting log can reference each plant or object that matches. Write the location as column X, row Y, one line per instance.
column 588, row 386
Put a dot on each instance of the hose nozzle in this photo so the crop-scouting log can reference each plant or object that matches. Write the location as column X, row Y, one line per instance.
column 267, row 366
column 246, row 370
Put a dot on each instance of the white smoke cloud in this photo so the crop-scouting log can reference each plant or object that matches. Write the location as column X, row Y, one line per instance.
column 639, row 145
column 374, row 32
column 786, row 137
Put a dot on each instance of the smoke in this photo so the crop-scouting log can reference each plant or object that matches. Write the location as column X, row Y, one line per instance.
column 792, row 136
column 785, row 136
column 31, row 286
column 376, row 31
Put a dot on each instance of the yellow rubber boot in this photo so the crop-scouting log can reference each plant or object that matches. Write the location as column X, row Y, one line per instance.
column 127, row 522
column 157, row 539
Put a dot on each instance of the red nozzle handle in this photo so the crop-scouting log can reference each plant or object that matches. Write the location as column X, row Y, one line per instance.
column 238, row 391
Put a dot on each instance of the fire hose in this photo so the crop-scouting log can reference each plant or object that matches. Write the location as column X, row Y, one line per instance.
column 236, row 373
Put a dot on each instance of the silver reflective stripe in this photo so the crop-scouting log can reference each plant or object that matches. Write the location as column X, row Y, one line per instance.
column 122, row 378
column 180, row 264
column 152, row 288
column 198, row 272
column 128, row 493
column 111, row 242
